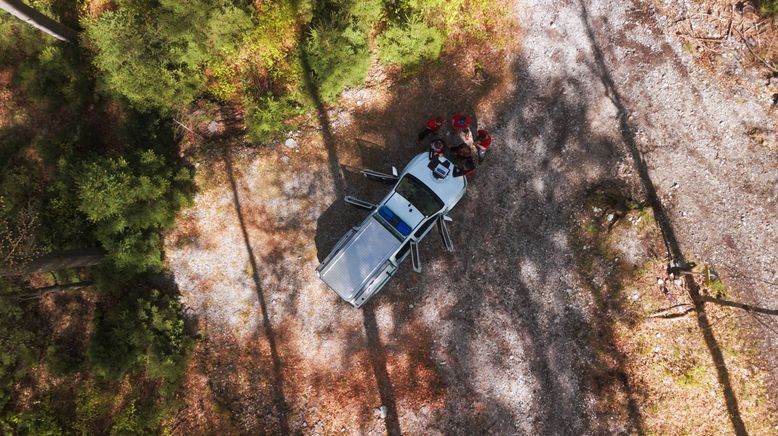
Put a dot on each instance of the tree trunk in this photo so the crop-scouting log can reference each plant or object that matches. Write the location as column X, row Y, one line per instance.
column 33, row 294
column 56, row 261
column 36, row 19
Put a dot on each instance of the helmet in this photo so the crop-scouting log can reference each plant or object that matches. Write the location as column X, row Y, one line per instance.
column 460, row 121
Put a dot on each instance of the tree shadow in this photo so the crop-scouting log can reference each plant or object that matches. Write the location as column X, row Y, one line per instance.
column 374, row 347
column 377, row 356
column 313, row 92
column 280, row 405
column 600, row 68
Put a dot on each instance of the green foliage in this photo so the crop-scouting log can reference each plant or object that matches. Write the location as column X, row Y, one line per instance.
column 366, row 13
column 141, row 63
column 18, row 40
column 127, row 422
column 18, row 345
column 223, row 78
column 338, row 56
column 769, row 7
column 62, row 360
column 39, row 420
column 409, row 44
column 55, row 78
column 143, row 333
column 92, row 406
column 154, row 54
column 130, row 204
column 267, row 117
column 227, row 28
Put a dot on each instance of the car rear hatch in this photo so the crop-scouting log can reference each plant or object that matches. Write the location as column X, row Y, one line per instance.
column 359, row 259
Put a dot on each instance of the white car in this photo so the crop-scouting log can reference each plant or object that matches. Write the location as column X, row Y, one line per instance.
column 368, row 255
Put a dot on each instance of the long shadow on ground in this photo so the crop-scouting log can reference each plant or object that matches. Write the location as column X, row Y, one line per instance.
column 374, row 347
column 628, row 136
column 280, row 405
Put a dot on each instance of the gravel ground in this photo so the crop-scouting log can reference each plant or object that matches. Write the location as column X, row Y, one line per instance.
column 495, row 338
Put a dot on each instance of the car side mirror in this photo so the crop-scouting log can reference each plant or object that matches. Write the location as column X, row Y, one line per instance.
column 448, row 218
column 394, row 171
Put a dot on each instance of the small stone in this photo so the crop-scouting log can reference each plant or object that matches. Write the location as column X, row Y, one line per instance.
column 660, row 282
column 411, row 306
column 677, row 282
column 635, row 296
column 213, row 127
column 382, row 412
column 610, row 217
column 285, row 159
column 290, row 143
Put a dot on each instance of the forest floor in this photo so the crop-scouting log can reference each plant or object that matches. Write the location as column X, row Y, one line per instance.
column 549, row 318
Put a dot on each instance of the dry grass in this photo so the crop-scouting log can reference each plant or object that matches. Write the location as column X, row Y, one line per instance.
column 669, row 363
column 669, row 370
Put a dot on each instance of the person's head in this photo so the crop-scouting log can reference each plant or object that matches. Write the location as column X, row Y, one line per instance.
column 460, row 121
column 437, row 144
column 435, row 123
column 481, row 135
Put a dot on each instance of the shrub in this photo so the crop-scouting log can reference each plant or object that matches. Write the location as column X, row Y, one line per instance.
column 55, row 79
column 268, row 117
column 40, row 420
column 154, row 54
column 18, row 40
column 18, row 348
column 92, row 405
column 141, row 333
column 62, row 360
column 130, row 205
column 409, row 44
column 769, row 7
column 223, row 78
column 142, row 62
column 338, row 56
column 127, row 421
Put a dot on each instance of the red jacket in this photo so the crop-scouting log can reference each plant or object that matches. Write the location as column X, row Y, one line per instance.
column 483, row 139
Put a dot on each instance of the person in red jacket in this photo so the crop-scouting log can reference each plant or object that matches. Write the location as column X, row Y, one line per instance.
column 483, row 140
column 431, row 129
column 461, row 125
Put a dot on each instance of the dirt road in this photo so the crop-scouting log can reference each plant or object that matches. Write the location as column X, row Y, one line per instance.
column 496, row 338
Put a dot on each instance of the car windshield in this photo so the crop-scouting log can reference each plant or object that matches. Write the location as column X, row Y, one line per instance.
column 419, row 195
